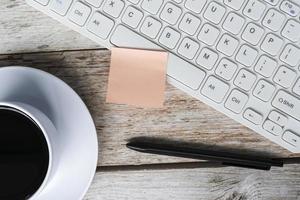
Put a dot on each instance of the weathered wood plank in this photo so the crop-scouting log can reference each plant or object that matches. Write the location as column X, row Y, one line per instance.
column 182, row 119
column 197, row 184
column 24, row 29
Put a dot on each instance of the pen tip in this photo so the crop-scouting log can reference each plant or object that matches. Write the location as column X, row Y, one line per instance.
column 129, row 145
column 134, row 146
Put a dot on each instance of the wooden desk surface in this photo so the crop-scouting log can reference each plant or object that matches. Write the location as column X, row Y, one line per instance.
column 29, row 38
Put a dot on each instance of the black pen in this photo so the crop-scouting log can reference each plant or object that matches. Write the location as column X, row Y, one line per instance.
column 225, row 158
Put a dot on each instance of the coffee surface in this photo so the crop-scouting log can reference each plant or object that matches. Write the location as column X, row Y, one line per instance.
column 24, row 155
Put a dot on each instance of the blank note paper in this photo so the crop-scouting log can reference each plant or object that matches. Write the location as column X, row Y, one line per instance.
column 137, row 77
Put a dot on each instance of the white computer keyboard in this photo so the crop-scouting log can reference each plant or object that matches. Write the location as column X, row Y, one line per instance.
column 239, row 56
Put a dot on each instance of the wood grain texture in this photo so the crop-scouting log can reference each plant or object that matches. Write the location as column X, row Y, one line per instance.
column 197, row 184
column 124, row 174
column 183, row 119
column 24, row 29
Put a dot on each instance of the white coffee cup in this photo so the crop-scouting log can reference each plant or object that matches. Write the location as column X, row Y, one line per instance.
column 66, row 124
column 50, row 134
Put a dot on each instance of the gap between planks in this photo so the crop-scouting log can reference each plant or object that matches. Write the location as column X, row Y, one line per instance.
column 52, row 51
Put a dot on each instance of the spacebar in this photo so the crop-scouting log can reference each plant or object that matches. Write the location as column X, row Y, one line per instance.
column 178, row 68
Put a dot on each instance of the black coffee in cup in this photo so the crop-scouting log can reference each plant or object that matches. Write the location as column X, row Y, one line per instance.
column 24, row 155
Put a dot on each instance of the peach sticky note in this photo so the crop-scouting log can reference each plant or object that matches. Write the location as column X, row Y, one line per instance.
column 137, row 77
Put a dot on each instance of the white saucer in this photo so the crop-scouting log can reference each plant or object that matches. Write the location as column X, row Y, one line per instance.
column 70, row 117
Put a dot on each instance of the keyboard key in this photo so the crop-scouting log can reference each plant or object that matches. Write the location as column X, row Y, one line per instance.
column 95, row 3
column 207, row 58
column 291, row 138
column 151, row 27
column 188, row 48
column 236, row 101
column 253, row 33
column 227, row 44
column 170, row 13
column 264, row 90
column 245, row 79
column 60, row 7
column 290, row 55
column 184, row 72
column 120, row 37
column 285, row 77
column 254, row 9
column 79, row 13
column 253, row 116
column 296, row 88
column 278, row 118
column 195, row 6
column 100, row 25
column 226, row 69
column 272, row 2
column 43, row 2
column 287, row 103
column 152, row 6
column 214, row 12
column 169, row 38
column 291, row 31
column 178, row 1
column 290, row 8
column 209, row 34
column 233, row 23
column 272, row 127
column 133, row 1
column 273, row 20
column 235, row 4
column 189, row 24
column 246, row 55
column 132, row 17
column 113, row 7
column 215, row 89
column 265, row 66
column 272, row 44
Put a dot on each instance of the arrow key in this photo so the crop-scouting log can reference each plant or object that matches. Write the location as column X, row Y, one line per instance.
column 291, row 138
column 272, row 127
column 253, row 116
